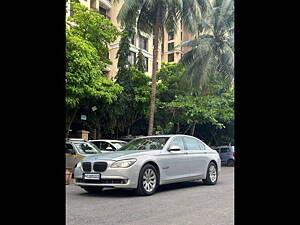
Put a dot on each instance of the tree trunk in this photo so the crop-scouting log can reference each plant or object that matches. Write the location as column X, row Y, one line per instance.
column 69, row 123
column 187, row 129
column 99, row 130
column 193, row 129
column 154, row 69
column 214, row 137
column 178, row 128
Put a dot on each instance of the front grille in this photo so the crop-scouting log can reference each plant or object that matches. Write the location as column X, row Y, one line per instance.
column 100, row 166
column 86, row 166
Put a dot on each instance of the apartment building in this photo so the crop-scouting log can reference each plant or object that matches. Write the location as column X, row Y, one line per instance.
column 143, row 41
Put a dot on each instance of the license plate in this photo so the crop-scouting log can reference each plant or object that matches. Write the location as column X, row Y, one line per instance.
column 92, row 176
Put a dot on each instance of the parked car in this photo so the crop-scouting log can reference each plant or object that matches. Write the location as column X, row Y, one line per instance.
column 77, row 149
column 108, row 145
column 226, row 154
column 147, row 162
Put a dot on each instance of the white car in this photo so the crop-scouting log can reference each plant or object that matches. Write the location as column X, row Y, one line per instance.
column 147, row 162
column 106, row 145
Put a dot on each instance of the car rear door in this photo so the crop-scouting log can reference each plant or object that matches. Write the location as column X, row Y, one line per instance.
column 197, row 156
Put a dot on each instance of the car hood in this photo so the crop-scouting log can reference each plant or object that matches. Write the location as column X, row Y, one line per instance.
column 117, row 155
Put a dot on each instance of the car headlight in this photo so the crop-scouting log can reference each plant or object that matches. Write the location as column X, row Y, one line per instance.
column 123, row 163
column 78, row 165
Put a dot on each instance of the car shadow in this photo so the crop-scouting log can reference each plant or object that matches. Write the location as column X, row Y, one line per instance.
column 125, row 193
column 109, row 193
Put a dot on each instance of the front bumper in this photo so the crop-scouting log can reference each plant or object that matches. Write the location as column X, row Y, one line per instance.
column 111, row 177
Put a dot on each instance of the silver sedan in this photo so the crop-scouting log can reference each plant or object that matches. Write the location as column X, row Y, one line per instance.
column 147, row 162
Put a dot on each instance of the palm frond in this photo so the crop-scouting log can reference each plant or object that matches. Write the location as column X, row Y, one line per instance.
column 191, row 14
column 129, row 12
column 193, row 43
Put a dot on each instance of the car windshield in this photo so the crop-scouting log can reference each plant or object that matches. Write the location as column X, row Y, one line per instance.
column 153, row 143
column 87, row 148
column 118, row 144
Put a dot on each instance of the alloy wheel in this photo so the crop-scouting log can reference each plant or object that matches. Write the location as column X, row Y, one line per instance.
column 213, row 173
column 149, row 180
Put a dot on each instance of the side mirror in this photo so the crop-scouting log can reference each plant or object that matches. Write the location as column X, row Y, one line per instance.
column 174, row 148
column 109, row 148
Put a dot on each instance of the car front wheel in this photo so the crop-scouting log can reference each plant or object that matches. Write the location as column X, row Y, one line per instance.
column 148, row 180
column 211, row 175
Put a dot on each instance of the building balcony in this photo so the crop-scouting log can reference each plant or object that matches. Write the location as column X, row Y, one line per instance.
column 106, row 4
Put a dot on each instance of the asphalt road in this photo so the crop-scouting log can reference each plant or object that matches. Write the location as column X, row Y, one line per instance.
column 173, row 204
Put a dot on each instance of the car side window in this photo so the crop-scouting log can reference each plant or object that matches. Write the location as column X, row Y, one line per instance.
column 97, row 143
column 193, row 144
column 224, row 150
column 104, row 145
column 178, row 142
column 69, row 148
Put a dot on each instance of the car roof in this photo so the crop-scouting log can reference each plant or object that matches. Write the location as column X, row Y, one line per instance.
column 107, row 140
column 167, row 135
column 68, row 142
column 225, row 146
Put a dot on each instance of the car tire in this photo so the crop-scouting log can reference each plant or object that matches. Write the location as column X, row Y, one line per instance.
column 211, row 175
column 230, row 162
column 93, row 190
column 148, row 180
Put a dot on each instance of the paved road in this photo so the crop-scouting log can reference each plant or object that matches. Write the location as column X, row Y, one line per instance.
column 173, row 204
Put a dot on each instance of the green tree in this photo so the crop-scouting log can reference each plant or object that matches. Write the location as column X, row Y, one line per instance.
column 85, row 61
column 204, row 109
column 132, row 105
column 153, row 17
column 123, row 75
column 213, row 50
column 168, row 88
column 140, row 64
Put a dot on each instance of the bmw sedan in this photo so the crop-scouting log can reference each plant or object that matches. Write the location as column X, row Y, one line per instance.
column 147, row 162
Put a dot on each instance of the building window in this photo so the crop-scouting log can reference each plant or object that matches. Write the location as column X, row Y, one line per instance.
column 146, row 64
column 143, row 43
column 171, row 36
column 71, row 11
column 171, row 46
column 132, row 40
column 102, row 11
column 132, row 58
column 107, row 55
column 171, row 57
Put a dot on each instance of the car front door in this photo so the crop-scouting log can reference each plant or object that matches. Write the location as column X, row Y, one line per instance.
column 197, row 156
column 174, row 164
column 70, row 156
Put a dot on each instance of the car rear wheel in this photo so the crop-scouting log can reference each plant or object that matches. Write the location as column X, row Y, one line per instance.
column 93, row 190
column 148, row 180
column 211, row 175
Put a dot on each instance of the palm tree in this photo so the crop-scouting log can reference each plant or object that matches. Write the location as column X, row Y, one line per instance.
column 213, row 49
column 153, row 17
